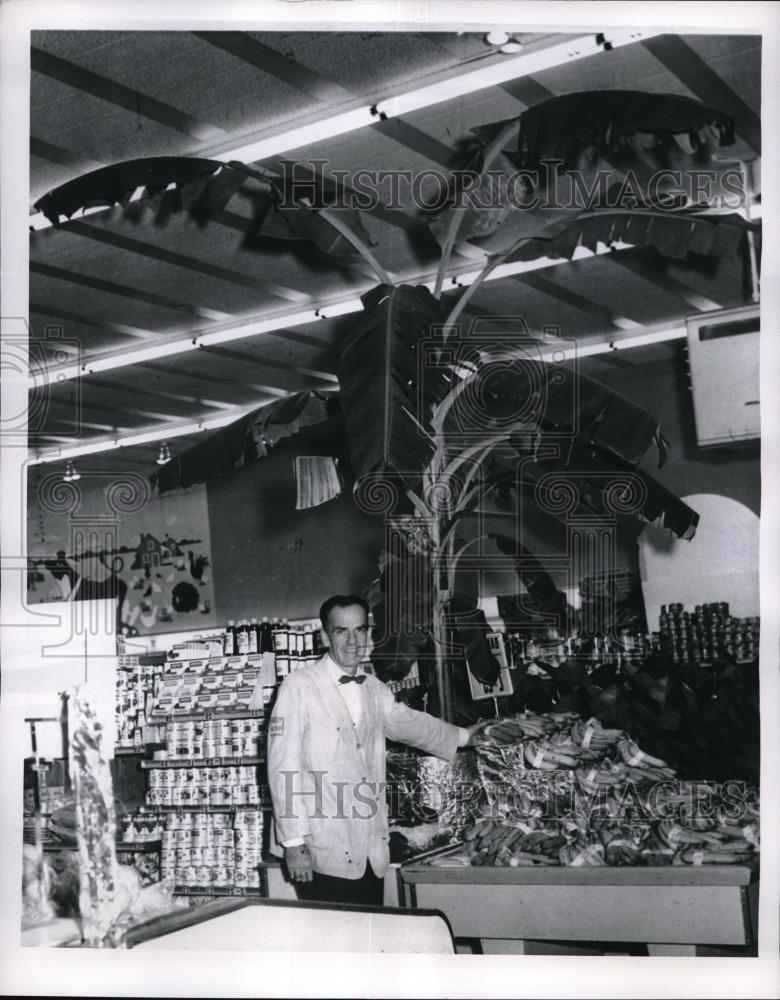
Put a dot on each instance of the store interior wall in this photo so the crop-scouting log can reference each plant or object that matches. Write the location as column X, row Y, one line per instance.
column 269, row 558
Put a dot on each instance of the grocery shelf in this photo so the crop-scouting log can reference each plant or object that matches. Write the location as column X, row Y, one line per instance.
column 141, row 845
column 206, row 890
column 254, row 807
column 172, row 762
column 211, row 716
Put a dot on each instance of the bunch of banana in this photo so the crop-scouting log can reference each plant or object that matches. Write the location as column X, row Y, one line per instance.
column 593, row 735
column 706, row 856
column 502, row 732
column 581, row 854
column 547, row 756
column 604, row 774
column 623, row 843
column 635, row 757
column 547, row 842
column 749, row 832
column 621, row 854
column 678, row 837
column 643, row 775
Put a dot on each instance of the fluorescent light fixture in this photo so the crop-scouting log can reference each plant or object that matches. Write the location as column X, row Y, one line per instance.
column 604, row 346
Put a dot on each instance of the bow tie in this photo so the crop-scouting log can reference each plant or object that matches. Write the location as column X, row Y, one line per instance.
column 346, row 678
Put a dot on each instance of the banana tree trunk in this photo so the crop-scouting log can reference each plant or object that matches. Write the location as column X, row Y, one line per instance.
column 440, row 632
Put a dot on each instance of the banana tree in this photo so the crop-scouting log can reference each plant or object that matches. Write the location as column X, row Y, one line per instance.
column 433, row 423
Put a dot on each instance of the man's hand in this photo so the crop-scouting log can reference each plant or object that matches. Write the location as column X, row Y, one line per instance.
column 298, row 861
column 473, row 730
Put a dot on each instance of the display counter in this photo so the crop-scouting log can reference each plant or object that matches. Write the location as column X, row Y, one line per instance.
column 671, row 909
column 286, row 926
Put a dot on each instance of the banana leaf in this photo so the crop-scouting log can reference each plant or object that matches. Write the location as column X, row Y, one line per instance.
column 673, row 236
column 114, row 185
column 611, row 120
column 245, row 440
column 586, row 132
column 297, row 204
column 387, row 394
column 203, row 187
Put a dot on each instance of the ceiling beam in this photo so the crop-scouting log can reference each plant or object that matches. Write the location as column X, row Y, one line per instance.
column 417, row 141
column 125, row 291
column 701, row 79
column 650, row 269
column 254, row 53
column 246, row 358
column 124, row 97
column 577, row 301
column 62, row 157
column 62, row 315
column 153, row 252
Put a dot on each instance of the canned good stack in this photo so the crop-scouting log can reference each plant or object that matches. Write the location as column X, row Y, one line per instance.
column 142, row 828
column 191, row 787
column 206, row 851
column 137, row 687
column 248, row 830
column 706, row 633
column 190, row 739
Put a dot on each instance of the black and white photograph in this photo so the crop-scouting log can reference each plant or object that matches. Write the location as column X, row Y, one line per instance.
column 389, row 445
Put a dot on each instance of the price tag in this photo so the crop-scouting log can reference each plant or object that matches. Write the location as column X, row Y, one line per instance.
column 539, row 757
column 698, row 858
column 587, row 736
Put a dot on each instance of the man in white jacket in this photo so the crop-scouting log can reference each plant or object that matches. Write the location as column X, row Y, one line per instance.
column 326, row 763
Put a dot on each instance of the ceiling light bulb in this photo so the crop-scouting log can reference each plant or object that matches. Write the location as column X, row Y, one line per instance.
column 497, row 37
column 164, row 455
column 511, row 47
column 71, row 476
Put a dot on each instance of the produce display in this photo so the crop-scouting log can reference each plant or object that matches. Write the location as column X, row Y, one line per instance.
column 564, row 791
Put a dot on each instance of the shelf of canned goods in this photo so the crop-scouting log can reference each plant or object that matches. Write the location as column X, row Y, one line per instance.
column 205, row 796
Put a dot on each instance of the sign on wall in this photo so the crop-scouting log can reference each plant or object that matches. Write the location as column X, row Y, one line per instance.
column 106, row 536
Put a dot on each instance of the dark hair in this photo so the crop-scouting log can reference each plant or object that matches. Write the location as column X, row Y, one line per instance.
column 341, row 601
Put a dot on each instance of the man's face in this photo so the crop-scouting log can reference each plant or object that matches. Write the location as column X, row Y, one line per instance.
column 347, row 634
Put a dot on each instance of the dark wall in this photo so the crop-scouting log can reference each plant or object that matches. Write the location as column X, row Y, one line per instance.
column 268, row 558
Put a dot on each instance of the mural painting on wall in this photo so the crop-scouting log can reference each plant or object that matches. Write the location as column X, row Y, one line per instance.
column 151, row 553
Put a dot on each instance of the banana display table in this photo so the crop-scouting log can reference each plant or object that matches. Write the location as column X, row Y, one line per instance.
column 672, row 910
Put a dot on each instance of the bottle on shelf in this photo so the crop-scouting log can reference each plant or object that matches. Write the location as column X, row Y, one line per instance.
column 266, row 642
column 281, row 638
column 243, row 638
column 253, row 630
column 230, row 638
column 308, row 641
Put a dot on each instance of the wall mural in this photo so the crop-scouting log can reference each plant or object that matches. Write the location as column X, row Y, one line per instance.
column 106, row 536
